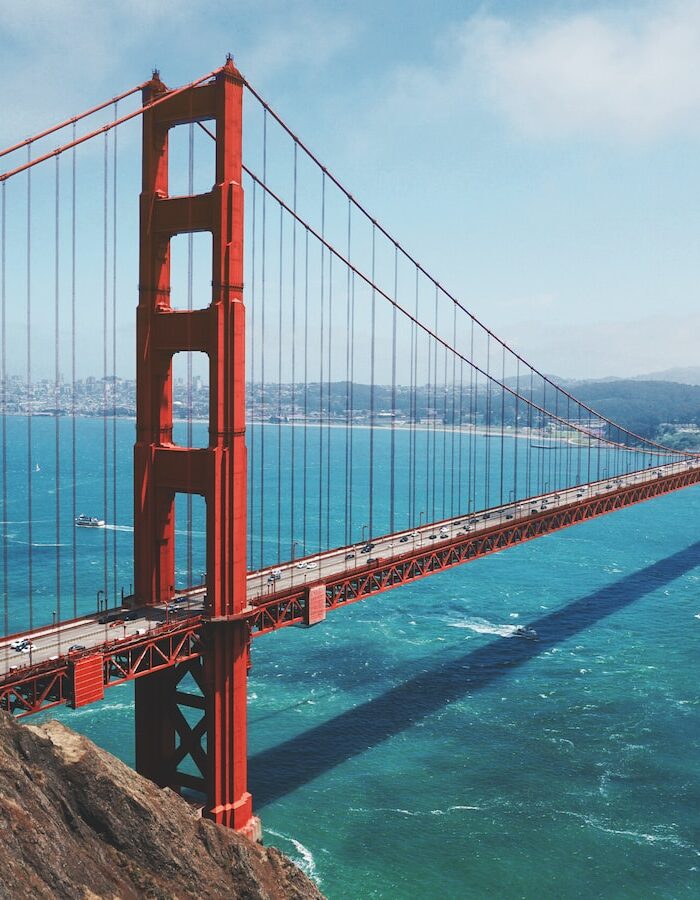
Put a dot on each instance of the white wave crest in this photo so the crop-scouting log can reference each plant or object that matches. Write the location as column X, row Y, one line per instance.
column 483, row 626
column 305, row 860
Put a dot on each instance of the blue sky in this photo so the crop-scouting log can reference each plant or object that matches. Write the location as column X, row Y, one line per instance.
column 539, row 158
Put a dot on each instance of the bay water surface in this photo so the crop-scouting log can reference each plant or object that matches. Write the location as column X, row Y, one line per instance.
column 411, row 745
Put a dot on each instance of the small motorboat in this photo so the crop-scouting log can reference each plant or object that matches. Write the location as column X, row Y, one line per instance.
column 525, row 631
column 84, row 521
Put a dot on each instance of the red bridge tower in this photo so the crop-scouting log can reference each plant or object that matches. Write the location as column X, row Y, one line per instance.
column 165, row 737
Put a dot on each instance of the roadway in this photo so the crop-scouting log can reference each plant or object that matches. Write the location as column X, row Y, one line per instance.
column 52, row 642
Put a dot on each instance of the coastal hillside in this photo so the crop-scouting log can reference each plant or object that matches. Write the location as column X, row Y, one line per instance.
column 75, row 822
column 649, row 408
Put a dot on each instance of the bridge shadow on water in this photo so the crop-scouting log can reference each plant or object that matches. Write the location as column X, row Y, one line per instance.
column 282, row 769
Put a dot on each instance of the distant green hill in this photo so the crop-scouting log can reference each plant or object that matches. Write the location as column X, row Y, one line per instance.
column 642, row 406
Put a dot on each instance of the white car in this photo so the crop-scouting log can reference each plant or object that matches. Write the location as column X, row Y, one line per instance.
column 277, row 573
column 312, row 565
column 16, row 644
column 27, row 648
column 302, row 565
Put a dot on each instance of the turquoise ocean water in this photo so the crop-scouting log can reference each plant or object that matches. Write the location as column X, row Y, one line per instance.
column 410, row 746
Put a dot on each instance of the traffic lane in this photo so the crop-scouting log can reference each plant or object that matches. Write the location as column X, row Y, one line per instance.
column 333, row 562
column 90, row 634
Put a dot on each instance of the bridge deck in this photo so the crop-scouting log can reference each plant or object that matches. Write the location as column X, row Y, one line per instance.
column 148, row 638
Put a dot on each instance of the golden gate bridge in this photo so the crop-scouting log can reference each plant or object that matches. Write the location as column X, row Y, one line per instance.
column 357, row 412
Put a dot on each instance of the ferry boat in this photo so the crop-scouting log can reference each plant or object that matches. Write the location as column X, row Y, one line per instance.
column 84, row 521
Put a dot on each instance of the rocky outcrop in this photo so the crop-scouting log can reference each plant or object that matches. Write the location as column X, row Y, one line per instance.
column 75, row 822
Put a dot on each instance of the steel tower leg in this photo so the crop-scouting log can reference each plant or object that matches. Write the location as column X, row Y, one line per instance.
column 165, row 736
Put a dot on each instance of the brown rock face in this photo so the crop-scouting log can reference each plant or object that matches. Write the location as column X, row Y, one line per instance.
column 75, row 822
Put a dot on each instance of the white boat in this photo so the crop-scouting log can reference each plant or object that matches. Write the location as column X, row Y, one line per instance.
column 84, row 521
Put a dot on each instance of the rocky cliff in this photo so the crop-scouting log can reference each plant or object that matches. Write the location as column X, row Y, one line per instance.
column 75, row 822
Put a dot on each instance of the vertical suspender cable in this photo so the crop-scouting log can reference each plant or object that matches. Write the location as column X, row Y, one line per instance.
column 503, row 415
column 543, row 420
column 528, row 461
column 279, row 395
column 30, row 511
column 190, row 306
column 428, row 398
column 444, row 433
column 321, row 362
column 263, row 405
column 347, row 389
column 557, row 446
column 516, row 441
column 567, row 480
column 115, row 565
column 371, row 388
column 304, row 470
column 487, row 451
column 454, row 410
column 254, row 424
column 434, row 416
column 392, row 485
column 460, row 451
column 352, row 402
column 292, row 520
column 74, row 484
column 329, row 395
column 104, row 361
column 412, row 434
column 471, row 466
column 57, row 394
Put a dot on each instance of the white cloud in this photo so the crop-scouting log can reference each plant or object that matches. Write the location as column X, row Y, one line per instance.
column 298, row 36
column 627, row 73
column 633, row 75
column 59, row 58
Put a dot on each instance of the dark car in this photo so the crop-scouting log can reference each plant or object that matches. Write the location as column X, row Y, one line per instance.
column 74, row 648
column 403, row 540
column 373, row 559
column 432, row 537
column 367, row 548
column 349, row 556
